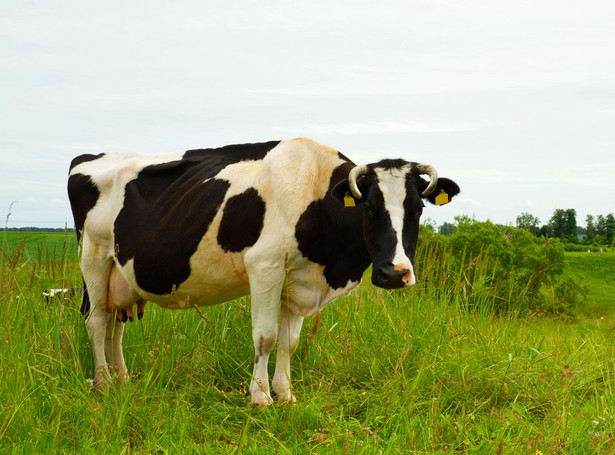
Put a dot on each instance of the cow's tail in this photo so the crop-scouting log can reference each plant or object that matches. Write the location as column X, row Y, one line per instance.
column 85, row 302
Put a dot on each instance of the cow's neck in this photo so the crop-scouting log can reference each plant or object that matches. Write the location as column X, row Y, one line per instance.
column 332, row 235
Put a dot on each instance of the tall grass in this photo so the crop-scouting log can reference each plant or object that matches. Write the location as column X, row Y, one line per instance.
column 384, row 372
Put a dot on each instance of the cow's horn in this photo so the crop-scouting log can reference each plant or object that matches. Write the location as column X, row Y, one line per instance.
column 354, row 174
column 426, row 169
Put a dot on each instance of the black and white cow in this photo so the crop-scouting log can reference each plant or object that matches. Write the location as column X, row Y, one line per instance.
column 287, row 218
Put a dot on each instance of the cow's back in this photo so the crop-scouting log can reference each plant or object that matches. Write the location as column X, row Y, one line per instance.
column 178, row 225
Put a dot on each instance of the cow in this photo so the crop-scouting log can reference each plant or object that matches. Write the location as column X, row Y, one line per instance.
column 293, row 223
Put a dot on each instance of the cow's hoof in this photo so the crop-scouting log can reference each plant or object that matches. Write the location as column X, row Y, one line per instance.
column 102, row 379
column 260, row 399
column 101, row 384
column 287, row 399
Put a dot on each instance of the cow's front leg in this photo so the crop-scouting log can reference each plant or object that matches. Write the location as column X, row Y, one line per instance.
column 95, row 272
column 113, row 348
column 266, row 281
column 288, row 336
column 96, row 325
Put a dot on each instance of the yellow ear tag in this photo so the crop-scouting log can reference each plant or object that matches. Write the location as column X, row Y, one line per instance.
column 349, row 200
column 442, row 198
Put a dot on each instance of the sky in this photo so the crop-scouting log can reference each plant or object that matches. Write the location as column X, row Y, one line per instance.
column 515, row 101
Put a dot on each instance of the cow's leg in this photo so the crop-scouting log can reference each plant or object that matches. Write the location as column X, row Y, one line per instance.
column 96, row 326
column 121, row 297
column 113, row 348
column 95, row 270
column 266, row 281
column 288, row 336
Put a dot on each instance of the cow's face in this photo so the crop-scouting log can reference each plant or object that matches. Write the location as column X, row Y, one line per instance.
column 391, row 195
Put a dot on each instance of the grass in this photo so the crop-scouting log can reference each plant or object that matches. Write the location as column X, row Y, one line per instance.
column 385, row 372
column 40, row 246
column 597, row 273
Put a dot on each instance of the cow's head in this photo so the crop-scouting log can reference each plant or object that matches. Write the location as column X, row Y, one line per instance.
column 391, row 194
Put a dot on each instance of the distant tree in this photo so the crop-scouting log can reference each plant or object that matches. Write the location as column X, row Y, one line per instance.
column 545, row 230
column 590, row 227
column 430, row 224
column 563, row 223
column 571, row 224
column 601, row 225
column 447, row 228
column 599, row 240
column 557, row 223
column 610, row 227
column 528, row 222
column 39, row 229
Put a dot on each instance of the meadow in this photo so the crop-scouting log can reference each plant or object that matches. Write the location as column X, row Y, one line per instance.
column 378, row 371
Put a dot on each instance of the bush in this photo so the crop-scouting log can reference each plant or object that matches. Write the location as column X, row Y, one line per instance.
column 506, row 268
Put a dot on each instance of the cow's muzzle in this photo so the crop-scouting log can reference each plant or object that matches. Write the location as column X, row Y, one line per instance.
column 393, row 277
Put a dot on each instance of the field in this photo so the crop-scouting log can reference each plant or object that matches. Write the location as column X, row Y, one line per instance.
column 381, row 372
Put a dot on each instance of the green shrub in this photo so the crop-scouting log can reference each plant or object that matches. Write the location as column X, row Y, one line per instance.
column 505, row 268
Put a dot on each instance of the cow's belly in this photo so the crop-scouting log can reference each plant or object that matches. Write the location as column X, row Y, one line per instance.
column 215, row 277
column 307, row 291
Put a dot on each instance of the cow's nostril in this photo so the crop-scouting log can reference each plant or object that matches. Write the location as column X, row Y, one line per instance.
column 389, row 277
column 407, row 275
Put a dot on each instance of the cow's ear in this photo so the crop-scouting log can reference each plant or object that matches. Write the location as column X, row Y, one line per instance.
column 341, row 192
column 445, row 190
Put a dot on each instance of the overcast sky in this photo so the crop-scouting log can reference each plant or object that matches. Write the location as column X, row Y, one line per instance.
column 515, row 101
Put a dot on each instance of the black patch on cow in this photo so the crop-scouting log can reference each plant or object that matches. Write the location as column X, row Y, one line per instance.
column 84, row 158
column 168, row 209
column 343, row 157
column 162, row 230
column 413, row 209
column 233, row 153
column 242, row 221
column 83, row 195
column 330, row 234
column 389, row 163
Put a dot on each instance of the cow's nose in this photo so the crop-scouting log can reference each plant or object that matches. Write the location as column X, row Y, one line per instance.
column 408, row 278
column 390, row 278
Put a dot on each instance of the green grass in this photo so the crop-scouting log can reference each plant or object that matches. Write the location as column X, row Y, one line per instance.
column 40, row 246
column 596, row 272
column 386, row 372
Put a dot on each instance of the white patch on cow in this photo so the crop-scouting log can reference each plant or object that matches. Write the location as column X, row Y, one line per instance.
column 306, row 290
column 392, row 184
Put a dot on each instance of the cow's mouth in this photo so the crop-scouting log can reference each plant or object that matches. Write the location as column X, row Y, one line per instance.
column 391, row 277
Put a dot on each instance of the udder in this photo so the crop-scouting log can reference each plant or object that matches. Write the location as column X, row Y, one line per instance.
column 121, row 298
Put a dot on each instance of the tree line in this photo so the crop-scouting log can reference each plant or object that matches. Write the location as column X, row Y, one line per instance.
column 37, row 229
column 599, row 230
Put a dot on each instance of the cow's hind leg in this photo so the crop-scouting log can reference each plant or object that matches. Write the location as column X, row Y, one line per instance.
column 288, row 336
